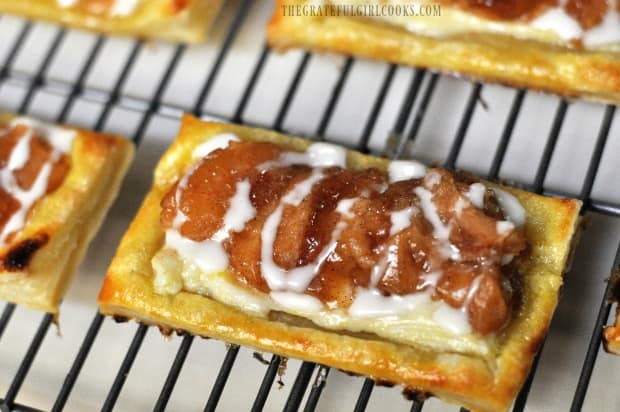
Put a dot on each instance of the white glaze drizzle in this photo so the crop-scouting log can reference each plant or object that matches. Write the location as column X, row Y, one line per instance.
column 401, row 219
column 180, row 217
column 297, row 301
column 317, row 155
column 371, row 303
column 220, row 141
column 512, row 208
column 441, row 231
column 607, row 32
column 453, row 319
column 399, row 170
column 568, row 28
column 475, row 194
column 60, row 140
column 456, row 320
column 378, row 271
column 296, row 279
column 557, row 20
column 459, row 206
column 503, row 227
column 430, row 279
column 506, row 259
column 124, row 7
column 209, row 254
column 66, row 3
column 239, row 213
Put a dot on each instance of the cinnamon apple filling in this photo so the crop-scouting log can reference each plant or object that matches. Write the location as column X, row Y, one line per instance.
column 33, row 163
column 397, row 253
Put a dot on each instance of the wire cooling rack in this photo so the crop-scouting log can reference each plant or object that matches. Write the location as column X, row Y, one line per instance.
column 542, row 143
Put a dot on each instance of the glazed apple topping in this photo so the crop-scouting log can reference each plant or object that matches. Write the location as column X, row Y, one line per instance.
column 315, row 235
column 33, row 163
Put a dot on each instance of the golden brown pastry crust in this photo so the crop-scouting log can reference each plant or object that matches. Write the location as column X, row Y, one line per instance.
column 154, row 19
column 469, row 381
column 68, row 218
column 569, row 72
column 612, row 333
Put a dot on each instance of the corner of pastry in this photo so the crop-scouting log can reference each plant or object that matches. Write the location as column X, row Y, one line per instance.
column 433, row 280
column 174, row 20
column 611, row 334
column 567, row 48
column 56, row 184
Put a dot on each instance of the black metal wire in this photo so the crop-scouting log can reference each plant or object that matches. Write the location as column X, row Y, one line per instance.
column 223, row 52
column 78, row 86
column 39, row 78
column 7, row 313
column 457, row 144
column 597, row 154
column 95, row 326
column 17, row 45
column 173, row 374
column 554, row 134
column 364, row 396
column 409, row 101
column 37, row 340
column 161, row 88
column 317, row 388
column 156, row 101
column 362, row 145
column 502, row 146
column 292, row 88
column 245, row 96
column 605, row 306
column 267, row 383
column 222, row 377
column 115, row 94
column 24, row 367
column 333, row 99
column 416, row 406
column 124, row 369
column 17, row 407
column 537, row 187
column 594, row 345
column 396, row 138
column 76, row 367
column 429, row 91
column 299, row 387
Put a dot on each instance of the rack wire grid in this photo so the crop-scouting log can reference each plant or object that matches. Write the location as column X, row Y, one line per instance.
column 542, row 143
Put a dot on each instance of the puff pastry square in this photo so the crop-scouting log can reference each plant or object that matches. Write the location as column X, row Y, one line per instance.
column 479, row 383
column 41, row 248
column 544, row 48
column 175, row 20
